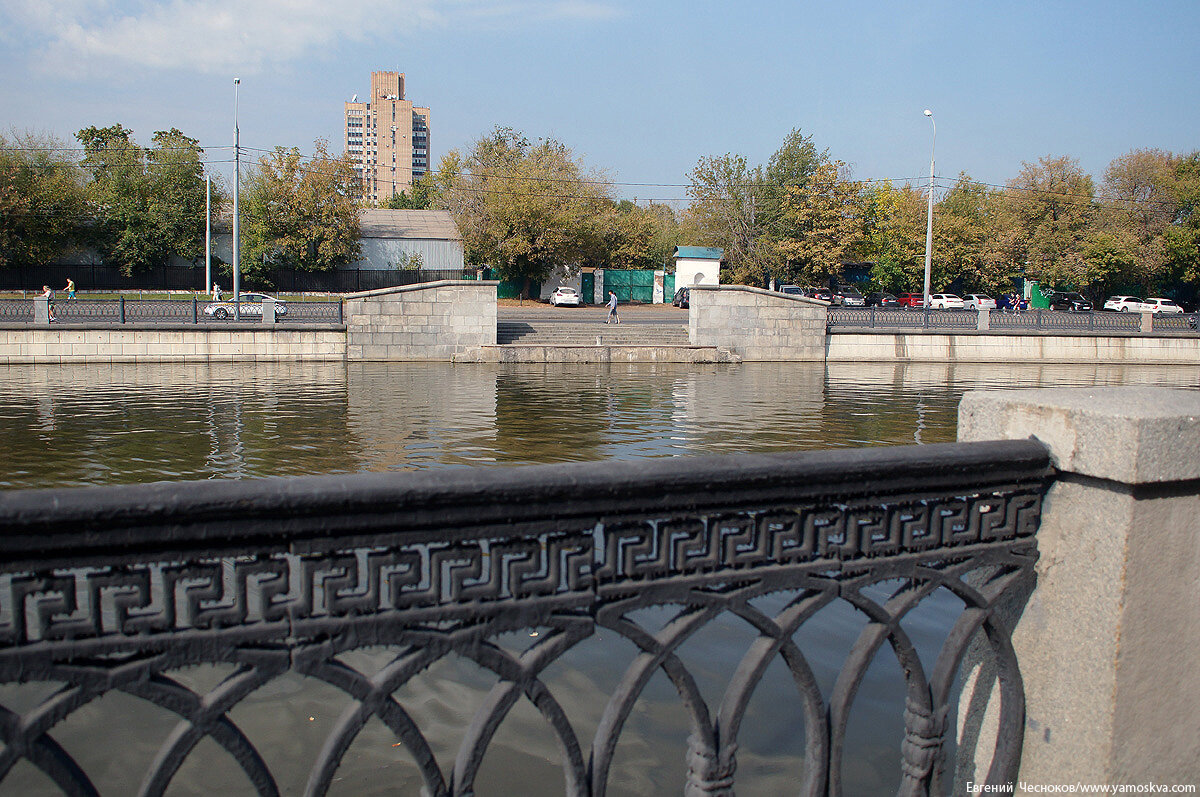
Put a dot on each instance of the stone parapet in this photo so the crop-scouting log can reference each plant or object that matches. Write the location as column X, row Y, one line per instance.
column 1109, row 638
column 757, row 325
column 168, row 343
column 430, row 321
column 1009, row 348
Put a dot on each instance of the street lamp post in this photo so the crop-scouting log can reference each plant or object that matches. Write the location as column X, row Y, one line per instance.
column 237, row 184
column 929, row 217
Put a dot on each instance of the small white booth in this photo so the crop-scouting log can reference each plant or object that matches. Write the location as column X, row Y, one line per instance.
column 697, row 265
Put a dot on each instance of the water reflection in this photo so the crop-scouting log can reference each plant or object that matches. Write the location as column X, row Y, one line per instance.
column 119, row 423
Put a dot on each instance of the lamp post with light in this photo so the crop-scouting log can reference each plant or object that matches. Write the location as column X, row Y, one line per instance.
column 929, row 218
column 237, row 184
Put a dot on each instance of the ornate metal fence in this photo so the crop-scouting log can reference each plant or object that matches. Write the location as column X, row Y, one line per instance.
column 123, row 310
column 1035, row 321
column 122, row 591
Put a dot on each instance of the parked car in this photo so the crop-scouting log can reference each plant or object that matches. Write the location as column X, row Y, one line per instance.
column 563, row 296
column 945, row 301
column 1126, row 304
column 849, row 296
column 251, row 305
column 823, row 294
column 881, row 299
column 979, row 301
column 912, row 300
column 791, row 290
column 1070, row 301
column 682, row 298
column 1160, row 305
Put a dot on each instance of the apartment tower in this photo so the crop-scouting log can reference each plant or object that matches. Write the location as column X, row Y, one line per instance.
column 387, row 137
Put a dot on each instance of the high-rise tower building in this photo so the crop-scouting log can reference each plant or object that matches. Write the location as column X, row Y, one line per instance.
column 388, row 138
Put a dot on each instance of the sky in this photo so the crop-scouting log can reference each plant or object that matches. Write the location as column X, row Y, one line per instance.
column 639, row 89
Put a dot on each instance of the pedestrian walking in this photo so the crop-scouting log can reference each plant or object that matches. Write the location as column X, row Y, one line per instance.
column 70, row 289
column 49, row 296
column 216, row 292
column 612, row 309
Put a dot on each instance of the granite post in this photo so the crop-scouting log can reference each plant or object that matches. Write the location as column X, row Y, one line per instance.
column 1109, row 638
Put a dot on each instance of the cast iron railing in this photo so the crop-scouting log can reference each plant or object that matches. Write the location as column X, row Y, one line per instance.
column 1035, row 321
column 122, row 591
column 122, row 310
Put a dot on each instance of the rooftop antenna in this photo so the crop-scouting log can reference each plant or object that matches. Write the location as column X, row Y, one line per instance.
column 354, row 98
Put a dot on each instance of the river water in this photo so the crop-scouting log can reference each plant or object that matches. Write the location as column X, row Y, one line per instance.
column 110, row 424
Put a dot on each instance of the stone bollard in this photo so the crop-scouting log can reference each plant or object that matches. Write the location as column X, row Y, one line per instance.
column 984, row 322
column 1147, row 322
column 1109, row 639
column 268, row 308
column 41, row 310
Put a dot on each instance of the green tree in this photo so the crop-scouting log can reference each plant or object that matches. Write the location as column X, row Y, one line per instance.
column 893, row 223
column 522, row 207
column 727, row 202
column 299, row 214
column 964, row 221
column 42, row 200
column 149, row 204
column 419, row 196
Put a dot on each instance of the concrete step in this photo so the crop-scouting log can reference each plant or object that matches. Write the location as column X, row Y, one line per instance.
column 592, row 334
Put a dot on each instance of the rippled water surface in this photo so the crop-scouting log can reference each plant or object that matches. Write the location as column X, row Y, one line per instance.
column 87, row 425
column 109, row 424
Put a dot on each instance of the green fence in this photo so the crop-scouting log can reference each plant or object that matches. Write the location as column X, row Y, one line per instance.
column 630, row 286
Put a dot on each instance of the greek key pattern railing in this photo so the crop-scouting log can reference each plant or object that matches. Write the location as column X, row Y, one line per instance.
column 112, row 590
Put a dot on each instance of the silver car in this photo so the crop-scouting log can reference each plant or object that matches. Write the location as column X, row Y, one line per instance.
column 251, row 305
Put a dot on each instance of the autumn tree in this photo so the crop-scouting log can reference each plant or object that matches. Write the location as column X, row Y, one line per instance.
column 819, row 225
column 1051, row 208
column 522, row 207
column 42, row 200
column 299, row 213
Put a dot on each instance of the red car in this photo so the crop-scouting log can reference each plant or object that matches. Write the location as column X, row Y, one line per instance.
column 916, row 300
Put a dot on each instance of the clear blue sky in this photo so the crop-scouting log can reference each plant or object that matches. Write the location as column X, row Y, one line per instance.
column 639, row 88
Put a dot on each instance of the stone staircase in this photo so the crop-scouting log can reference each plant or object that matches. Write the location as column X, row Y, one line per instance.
column 560, row 333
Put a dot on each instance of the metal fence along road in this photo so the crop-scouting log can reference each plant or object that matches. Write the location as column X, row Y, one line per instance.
column 855, row 318
column 170, row 311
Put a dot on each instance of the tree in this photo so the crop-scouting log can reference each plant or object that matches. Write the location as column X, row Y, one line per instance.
column 297, row 214
column 42, row 200
column 1051, row 208
column 631, row 236
column 819, row 224
column 419, row 196
column 893, row 223
column 728, row 198
column 522, row 207
column 964, row 223
column 150, row 203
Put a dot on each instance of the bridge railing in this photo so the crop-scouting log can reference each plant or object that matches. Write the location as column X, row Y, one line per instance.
column 112, row 596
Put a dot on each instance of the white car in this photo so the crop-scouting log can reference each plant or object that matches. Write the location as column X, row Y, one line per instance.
column 1158, row 304
column 945, row 301
column 250, row 304
column 1126, row 304
column 979, row 301
column 563, row 296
